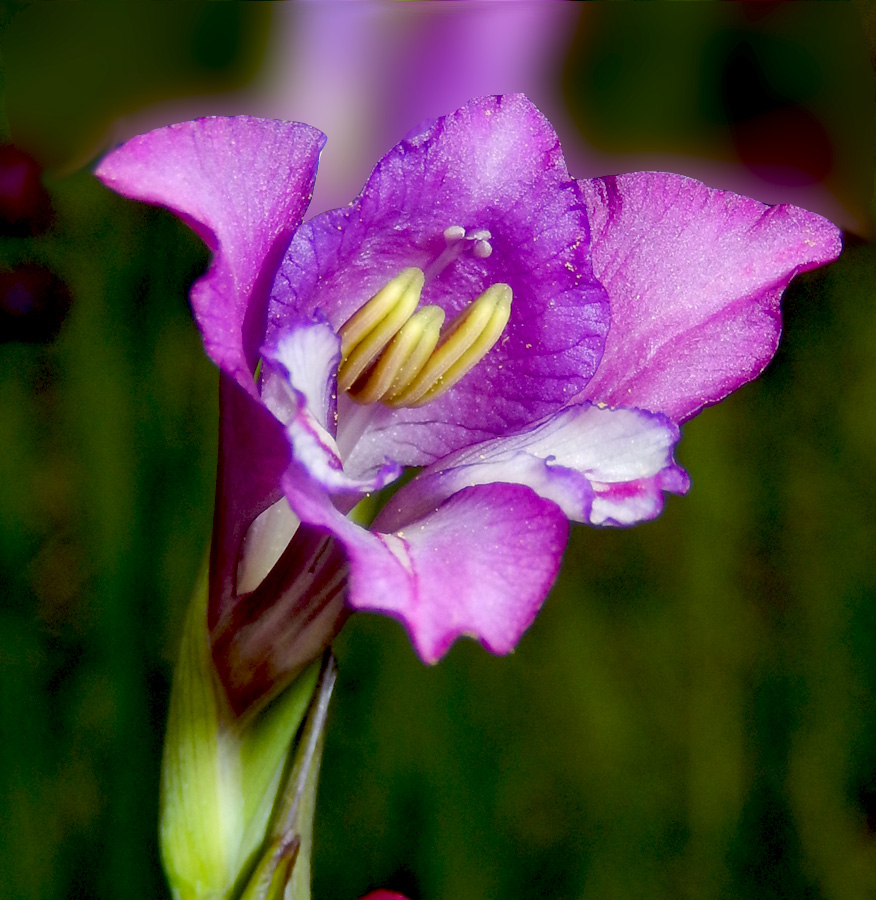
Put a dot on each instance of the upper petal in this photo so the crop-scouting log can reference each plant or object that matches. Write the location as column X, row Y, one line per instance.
column 495, row 164
column 243, row 184
column 694, row 276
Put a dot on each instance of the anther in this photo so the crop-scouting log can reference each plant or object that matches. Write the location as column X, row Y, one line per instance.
column 403, row 359
column 366, row 333
column 469, row 339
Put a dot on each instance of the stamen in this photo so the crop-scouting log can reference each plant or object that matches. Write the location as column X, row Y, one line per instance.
column 403, row 359
column 365, row 334
column 470, row 338
column 394, row 355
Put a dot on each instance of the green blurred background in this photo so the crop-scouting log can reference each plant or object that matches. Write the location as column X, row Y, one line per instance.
column 691, row 716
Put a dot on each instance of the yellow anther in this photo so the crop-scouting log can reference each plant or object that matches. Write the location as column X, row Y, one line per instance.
column 403, row 359
column 469, row 340
column 366, row 333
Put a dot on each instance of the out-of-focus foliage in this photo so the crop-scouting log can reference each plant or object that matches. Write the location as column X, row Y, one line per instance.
column 692, row 716
column 108, row 439
column 72, row 69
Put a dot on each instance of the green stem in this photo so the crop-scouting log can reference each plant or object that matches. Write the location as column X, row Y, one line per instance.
column 286, row 858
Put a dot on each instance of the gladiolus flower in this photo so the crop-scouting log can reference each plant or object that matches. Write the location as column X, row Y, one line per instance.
column 528, row 342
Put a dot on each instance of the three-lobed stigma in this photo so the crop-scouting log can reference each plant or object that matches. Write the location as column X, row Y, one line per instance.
column 396, row 354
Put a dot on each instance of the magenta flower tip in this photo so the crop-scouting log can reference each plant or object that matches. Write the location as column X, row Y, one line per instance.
column 384, row 895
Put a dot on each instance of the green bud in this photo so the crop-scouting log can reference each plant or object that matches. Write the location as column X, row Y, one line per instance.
column 283, row 871
column 220, row 775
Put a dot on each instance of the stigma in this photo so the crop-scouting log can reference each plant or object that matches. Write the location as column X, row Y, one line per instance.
column 457, row 241
column 400, row 355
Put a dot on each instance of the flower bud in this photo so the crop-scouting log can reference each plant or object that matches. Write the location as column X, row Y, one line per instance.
column 220, row 775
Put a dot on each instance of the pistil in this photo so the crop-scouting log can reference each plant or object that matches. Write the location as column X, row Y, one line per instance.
column 458, row 240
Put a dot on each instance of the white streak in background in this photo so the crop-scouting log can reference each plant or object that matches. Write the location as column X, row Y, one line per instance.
column 366, row 73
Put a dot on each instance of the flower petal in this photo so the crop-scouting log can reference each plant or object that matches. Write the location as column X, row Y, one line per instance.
column 599, row 465
column 309, row 353
column 480, row 565
column 243, row 184
column 495, row 164
column 299, row 387
column 630, row 502
column 694, row 276
column 253, row 454
column 272, row 633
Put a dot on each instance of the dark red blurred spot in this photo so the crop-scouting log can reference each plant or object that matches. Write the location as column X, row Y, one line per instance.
column 776, row 137
column 34, row 302
column 384, row 895
column 755, row 10
column 867, row 804
column 25, row 207
column 785, row 146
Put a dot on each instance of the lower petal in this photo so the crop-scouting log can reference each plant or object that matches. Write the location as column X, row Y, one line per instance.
column 601, row 466
column 299, row 386
column 480, row 565
column 629, row 502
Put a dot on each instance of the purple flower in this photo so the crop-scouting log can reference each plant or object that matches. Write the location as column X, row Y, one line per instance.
column 577, row 324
